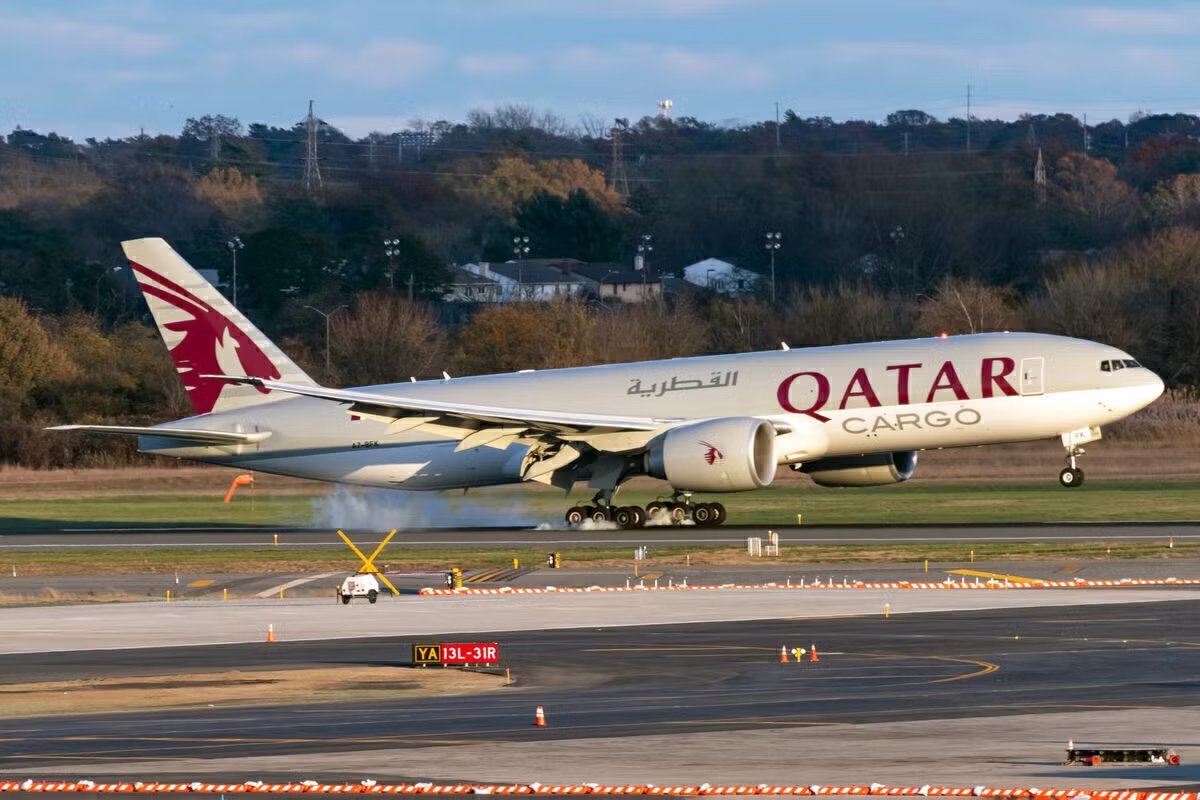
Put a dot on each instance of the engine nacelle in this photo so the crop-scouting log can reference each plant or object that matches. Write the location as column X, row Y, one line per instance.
column 734, row 454
column 873, row 469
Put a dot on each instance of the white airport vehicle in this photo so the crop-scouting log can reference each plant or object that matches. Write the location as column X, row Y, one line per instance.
column 848, row 415
column 359, row 586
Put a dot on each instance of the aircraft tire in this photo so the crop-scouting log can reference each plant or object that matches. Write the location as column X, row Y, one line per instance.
column 641, row 515
column 575, row 515
column 625, row 517
column 1071, row 477
column 704, row 515
column 599, row 513
column 721, row 514
column 677, row 512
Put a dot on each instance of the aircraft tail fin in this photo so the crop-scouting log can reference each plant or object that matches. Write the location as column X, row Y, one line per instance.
column 205, row 333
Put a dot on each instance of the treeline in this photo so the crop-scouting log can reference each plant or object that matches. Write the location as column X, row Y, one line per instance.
column 1144, row 298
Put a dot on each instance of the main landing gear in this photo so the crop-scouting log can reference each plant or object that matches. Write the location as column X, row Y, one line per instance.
column 677, row 511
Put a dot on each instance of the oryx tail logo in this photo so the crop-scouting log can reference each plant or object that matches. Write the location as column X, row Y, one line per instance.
column 712, row 454
column 210, row 343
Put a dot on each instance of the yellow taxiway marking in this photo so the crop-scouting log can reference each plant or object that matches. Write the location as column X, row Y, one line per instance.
column 200, row 584
column 992, row 576
column 1070, row 569
column 650, row 576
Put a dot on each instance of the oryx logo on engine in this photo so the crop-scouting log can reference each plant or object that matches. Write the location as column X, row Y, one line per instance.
column 712, row 454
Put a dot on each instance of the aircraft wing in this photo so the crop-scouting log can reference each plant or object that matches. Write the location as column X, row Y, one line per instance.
column 397, row 408
column 197, row 435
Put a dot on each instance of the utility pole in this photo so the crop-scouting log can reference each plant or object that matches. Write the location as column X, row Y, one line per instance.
column 968, row 117
column 312, row 168
column 391, row 248
column 520, row 253
column 620, row 180
column 776, row 127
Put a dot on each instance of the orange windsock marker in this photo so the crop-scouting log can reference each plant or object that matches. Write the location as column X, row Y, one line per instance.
column 240, row 480
column 539, row 718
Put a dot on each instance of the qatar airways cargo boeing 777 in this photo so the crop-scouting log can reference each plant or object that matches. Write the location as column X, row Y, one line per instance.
column 849, row 415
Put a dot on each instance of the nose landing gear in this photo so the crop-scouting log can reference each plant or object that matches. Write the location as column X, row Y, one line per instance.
column 1072, row 475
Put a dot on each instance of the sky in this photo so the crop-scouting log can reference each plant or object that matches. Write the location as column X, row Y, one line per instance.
column 111, row 68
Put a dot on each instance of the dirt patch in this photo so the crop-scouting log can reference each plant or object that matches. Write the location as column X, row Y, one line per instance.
column 238, row 688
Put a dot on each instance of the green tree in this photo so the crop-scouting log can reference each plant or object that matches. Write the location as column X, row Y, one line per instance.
column 574, row 227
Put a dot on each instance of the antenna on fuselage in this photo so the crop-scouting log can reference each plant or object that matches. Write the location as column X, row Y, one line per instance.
column 784, row 346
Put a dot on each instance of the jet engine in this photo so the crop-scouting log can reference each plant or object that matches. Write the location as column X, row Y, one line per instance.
column 734, row 454
column 872, row 469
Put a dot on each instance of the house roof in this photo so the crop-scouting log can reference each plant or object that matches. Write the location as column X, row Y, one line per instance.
column 612, row 272
column 527, row 272
column 464, row 277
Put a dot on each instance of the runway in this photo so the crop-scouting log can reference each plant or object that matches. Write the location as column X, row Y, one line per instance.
column 69, row 537
column 700, row 696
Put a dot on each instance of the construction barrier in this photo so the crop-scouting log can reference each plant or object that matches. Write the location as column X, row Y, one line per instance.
column 949, row 585
column 373, row 787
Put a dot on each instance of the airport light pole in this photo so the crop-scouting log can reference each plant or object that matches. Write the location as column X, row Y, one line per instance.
column 391, row 248
column 328, row 316
column 520, row 252
column 645, row 248
column 234, row 245
column 897, row 237
column 773, row 244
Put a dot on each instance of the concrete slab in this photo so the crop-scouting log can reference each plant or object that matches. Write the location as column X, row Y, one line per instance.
column 1013, row 751
column 158, row 624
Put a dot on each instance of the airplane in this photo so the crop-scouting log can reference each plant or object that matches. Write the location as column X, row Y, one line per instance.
column 846, row 415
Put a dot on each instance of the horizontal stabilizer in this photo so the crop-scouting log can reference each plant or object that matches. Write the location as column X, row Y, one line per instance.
column 186, row 434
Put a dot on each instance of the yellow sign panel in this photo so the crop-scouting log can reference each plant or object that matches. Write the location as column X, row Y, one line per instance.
column 427, row 654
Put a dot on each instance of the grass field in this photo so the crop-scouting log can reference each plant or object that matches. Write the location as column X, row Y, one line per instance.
column 909, row 503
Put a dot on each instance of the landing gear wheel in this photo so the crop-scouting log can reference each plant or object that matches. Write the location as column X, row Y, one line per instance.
column 1071, row 477
column 704, row 515
column 677, row 512
column 653, row 508
column 641, row 515
column 599, row 513
column 575, row 515
column 721, row 513
column 625, row 517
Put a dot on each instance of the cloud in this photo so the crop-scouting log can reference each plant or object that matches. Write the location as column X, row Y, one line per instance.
column 650, row 63
column 494, row 66
column 376, row 65
column 64, row 34
column 1126, row 21
column 639, row 8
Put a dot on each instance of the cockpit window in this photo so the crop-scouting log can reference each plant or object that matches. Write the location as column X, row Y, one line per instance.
column 1106, row 366
column 1129, row 362
column 1118, row 364
column 1114, row 364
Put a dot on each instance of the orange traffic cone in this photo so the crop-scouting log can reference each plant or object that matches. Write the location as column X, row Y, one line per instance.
column 270, row 632
column 539, row 718
column 783, row 654
column 814, row 658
